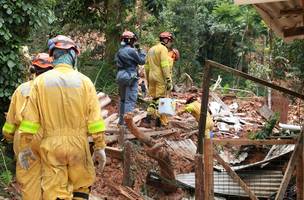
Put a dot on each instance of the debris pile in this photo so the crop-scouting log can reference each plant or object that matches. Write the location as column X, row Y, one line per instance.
column 233, row 118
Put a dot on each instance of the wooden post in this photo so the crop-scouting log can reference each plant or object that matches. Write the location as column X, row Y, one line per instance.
column 235, row 177
column 204, row 106
column 121, row 137
column 127, row 175
column 290, row 168
column 199, row 177
column 208, row 169
column 300, row 172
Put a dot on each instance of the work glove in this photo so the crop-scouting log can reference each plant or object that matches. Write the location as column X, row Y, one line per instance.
column 25, row 156
column 8, row 137
column 169, row 85
column 100, row 156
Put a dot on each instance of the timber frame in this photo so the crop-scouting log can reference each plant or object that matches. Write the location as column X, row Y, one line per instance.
column 205, row 155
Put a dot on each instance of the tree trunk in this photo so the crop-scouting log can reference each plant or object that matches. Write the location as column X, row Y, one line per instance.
column 113, row 29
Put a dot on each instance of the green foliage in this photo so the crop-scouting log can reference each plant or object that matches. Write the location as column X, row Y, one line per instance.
column 6, row 168
column 266, row 131
column 213, row 29
column 290, row 59
column 97, row 70
column 16, row 20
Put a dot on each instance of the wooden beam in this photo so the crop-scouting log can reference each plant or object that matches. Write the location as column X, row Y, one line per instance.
column 293, row 11
column 246, row 2
column 300, row 171
column 290, row 32
column 300, row 175
column 254, row 79
column 235, row 177
column 199, row 177
column 208, row 170
column 253, row 142
column 290, row 168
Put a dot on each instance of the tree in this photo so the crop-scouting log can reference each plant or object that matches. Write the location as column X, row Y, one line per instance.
column 17, row 18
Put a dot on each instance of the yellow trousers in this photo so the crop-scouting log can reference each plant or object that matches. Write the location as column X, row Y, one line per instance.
column 67, row 166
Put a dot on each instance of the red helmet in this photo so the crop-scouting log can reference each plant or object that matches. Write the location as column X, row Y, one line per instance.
column 62, row 42
column 165, row 35
column 42, row 60
column 128, row 35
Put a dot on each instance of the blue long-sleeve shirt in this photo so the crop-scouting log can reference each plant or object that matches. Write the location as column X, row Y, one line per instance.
column 128, row 58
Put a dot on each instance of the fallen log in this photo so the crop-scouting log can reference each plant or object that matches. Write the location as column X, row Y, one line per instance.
column 156, row 151
column 110, row 139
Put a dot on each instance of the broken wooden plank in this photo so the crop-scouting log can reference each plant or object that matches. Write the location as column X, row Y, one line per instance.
column 111, row 118
column 252, row 142
column 252, row 78
column 235, row 177
column 290, row 168
column 139, row 117
column 127, row 192
column 114, row 153
column 103, row 99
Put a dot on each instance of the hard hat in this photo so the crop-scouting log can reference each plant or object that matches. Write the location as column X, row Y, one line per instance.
column 42, row 60
column 62, row 42
column 165, row 35
column 128, row 35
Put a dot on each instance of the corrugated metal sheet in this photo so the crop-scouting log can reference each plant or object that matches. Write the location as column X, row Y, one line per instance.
column 262, row 183
column 277, row 21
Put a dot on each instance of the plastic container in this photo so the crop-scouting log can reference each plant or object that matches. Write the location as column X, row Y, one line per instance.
column 166, row 106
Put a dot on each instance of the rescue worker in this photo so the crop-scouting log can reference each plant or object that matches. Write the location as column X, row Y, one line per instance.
column 193, row 106
column 173, row 57
column 158, row 75
column 63, row 102
column 127, row 59
column 29, row 180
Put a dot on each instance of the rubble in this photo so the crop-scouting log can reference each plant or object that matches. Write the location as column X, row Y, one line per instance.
column 233, row 118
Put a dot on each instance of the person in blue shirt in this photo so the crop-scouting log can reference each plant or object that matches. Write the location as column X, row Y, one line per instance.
column 127, row 59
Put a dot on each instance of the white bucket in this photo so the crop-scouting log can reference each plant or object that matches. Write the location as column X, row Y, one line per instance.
column 166, row 106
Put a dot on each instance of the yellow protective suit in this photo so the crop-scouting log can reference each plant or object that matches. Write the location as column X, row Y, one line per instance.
column 29, row 180
column 157, row 70
column 194, row 109
column 64, row 103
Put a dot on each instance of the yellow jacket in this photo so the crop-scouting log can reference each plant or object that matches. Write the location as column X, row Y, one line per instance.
column 157, row 65
column 64, row 103
column 14, row 118
column 194, row 109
